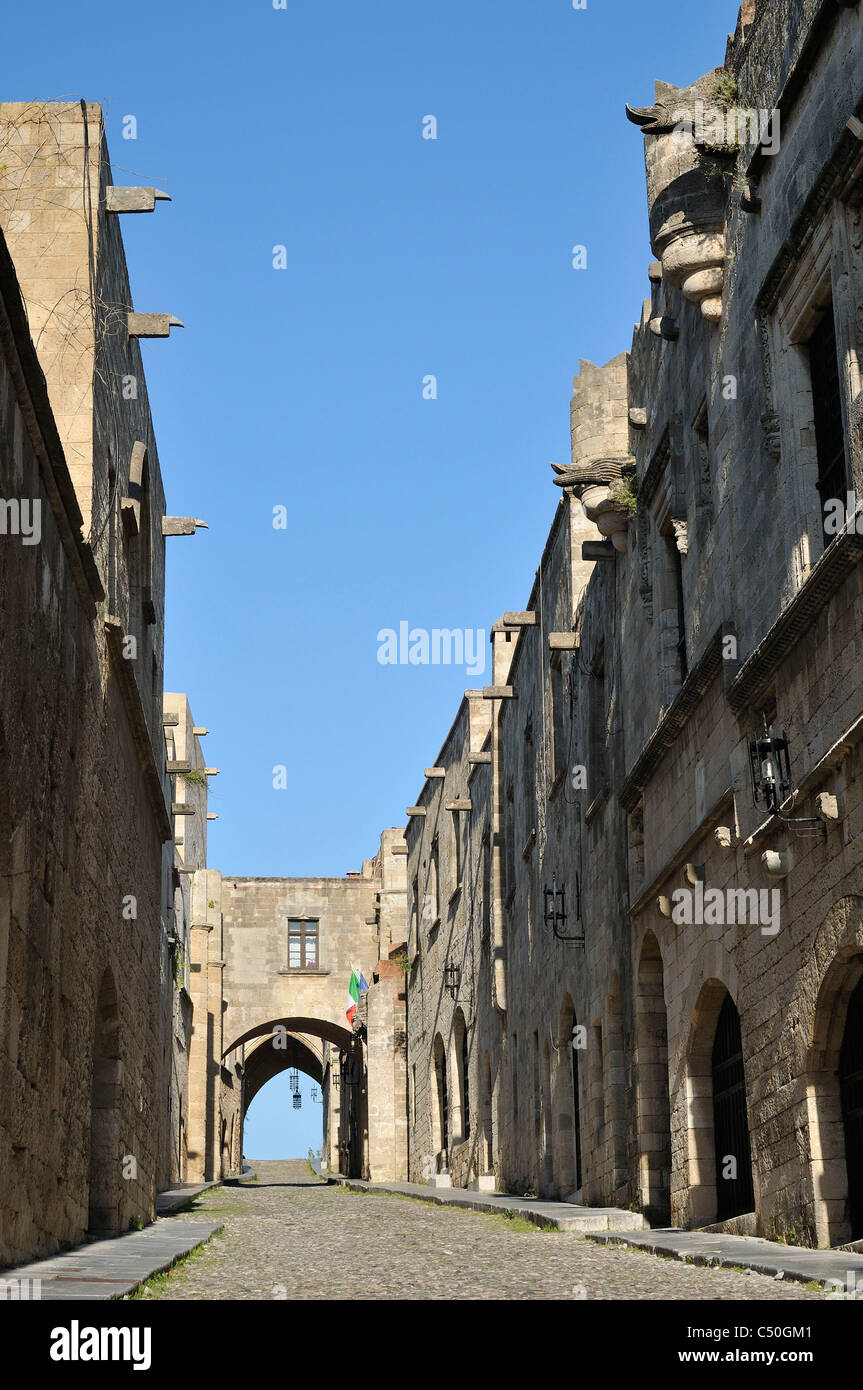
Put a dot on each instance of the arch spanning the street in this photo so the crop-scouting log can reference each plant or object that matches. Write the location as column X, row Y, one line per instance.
column 271, row 1055
column 315, row 1027
column 280, row 956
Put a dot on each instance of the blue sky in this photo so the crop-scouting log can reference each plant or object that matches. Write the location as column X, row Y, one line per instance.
column 274, row 1129
column 303, row 387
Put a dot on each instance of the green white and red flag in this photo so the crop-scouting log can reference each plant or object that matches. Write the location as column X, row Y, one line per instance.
column 353, row 996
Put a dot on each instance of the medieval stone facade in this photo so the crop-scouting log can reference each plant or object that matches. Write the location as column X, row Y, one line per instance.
column 630, row 982
column 617, row 954
column 84, row 801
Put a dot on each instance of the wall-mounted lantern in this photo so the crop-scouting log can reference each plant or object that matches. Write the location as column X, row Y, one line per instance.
column 769, row 767
column 555, row 915
column 770, row 770
column 452, row 978
column 298, row 1101
column 316, row 1099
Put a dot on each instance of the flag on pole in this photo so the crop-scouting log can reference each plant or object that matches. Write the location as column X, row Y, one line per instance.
column 353, row 996
column 364, row 984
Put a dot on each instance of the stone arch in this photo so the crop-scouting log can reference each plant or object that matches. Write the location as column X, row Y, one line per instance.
column 274, row 1054
column 702, row 1158
column 317, row 1027
column 653, row 1110
column 566, row 1133
column 834, row 1188
column 106, row 1073
column 346, row 1110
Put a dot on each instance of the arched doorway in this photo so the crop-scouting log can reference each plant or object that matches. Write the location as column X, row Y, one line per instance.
column 734, row 1191
column 566, row 1136
column 653, row 1108
column 460, row 1071
column 105, row 1159
column 833, row 1087
column 715, row 1118
column 440, row 1110
column 851, row 1098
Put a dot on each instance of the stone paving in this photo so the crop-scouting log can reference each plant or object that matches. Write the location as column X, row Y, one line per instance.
column 290, row 1236
column 110, row 1268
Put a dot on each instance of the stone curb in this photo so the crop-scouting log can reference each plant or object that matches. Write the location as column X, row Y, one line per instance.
column 114, row 1268
column 749, row 1252
column 175, row 1198
column 563, row 1216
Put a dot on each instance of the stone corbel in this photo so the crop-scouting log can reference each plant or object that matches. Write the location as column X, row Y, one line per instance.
column 828, row 808
column 151, row 325
column 181, row 525
column 695, row 264
column 776, row 863
column 133, row 199
column 725, row 837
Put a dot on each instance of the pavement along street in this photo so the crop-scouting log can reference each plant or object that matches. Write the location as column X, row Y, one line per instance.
column 292, row 1236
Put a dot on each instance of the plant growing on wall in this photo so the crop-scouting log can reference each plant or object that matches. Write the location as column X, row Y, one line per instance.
column 625, row 495
column 402, row 961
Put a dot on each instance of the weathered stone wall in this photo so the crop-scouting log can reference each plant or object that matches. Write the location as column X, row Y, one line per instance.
column 652, row 793
column 82, row 1103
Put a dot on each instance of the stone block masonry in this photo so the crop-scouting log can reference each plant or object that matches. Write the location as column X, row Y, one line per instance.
column 567, row 1036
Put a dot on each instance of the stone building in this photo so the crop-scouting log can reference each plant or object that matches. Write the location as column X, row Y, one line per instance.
column 637, row 950
column 81, row 935
column 92, row 1023
column 285, row 951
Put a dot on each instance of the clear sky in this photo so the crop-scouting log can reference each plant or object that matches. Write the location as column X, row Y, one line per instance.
column 302, row 387
column 274, row 1129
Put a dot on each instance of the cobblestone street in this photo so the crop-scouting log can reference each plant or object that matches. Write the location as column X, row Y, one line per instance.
column 291, row 1236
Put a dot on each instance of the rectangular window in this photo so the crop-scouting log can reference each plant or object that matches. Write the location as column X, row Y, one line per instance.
column 559, row 711
column 433, row 899
column 827, row 413
column 415, row 914
column 457, row 819
column 302, row 945
column 597, row 771
column 486, row 887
